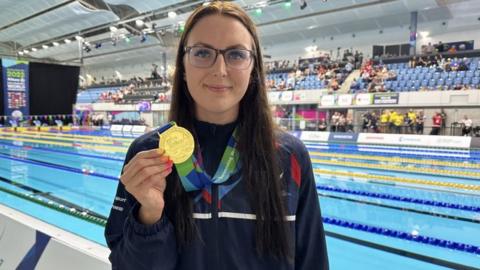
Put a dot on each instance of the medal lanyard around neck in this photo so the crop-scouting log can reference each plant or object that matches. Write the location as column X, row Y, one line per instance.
column 194, row 177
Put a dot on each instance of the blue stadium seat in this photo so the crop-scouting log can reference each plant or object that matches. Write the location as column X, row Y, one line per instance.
column 475, row 80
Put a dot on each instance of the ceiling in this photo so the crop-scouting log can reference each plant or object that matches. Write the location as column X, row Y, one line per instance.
column 31, row 24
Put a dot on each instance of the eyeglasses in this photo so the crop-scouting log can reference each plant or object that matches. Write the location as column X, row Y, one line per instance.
column 204, row 57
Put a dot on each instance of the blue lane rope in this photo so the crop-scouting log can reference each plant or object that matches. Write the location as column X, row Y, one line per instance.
column 433, row 241
column 401, row 198
column 56, row 166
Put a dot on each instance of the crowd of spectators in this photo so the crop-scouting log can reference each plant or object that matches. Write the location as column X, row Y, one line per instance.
column 325, row 74
column 376, row 76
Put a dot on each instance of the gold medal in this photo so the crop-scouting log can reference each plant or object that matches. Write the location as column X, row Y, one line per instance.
column 178, row 143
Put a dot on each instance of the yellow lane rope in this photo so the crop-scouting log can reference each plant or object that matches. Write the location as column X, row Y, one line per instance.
column 78, row 136
column 83, row 146
column 399, row 159
column 53, row 137
column 398, row 168
column 399, row 179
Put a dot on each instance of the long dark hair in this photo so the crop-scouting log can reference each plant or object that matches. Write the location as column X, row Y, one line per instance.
column 256, row 145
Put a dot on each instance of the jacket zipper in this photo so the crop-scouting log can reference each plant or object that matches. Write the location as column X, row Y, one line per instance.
column 215, row 224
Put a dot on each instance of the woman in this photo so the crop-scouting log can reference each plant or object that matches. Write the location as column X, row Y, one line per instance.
column 265, row 213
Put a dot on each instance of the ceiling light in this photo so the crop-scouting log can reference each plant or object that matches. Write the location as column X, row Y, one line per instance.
column 113, row 28
column 79, row 38
column 34, row 49
column 55, row 43
column 424, row 34
column 172, row 14
column 67, row 40
column 139, row 23
column 26, row 51
column 20, row 53
column 45, row 46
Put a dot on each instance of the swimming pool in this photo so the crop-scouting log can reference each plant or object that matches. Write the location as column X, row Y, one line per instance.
column 383, row 207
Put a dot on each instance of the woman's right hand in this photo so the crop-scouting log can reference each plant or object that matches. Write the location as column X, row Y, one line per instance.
column 145, row 178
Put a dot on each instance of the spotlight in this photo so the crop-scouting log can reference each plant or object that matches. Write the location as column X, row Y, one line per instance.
column 34, row 49
column 55, row 44
column 67, row 40
column 172, row 14
column 45, row 46
column 139, row 23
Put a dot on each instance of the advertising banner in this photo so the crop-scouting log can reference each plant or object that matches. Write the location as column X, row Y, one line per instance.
column 343, row 137
column 363, row 99
column 385, row 98
column 15, row 87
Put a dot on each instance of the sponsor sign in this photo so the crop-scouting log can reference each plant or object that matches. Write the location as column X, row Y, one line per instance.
column 385, row 98
column 363, row 99
column 343, row 137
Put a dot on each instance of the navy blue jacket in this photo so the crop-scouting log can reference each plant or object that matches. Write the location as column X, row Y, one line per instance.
column 228, row 230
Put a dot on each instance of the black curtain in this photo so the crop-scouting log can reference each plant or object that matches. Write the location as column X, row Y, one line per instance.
column 53, row 88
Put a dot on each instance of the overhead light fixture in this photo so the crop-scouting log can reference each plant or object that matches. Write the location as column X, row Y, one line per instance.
column 45, row 47
column 26, row 51
column 20, row 53
column 34, row 49
column 139, row 23
column 67, row 40
column 172, row 14
column 113, row 28
column 79, row 38
column 55, row 43
column 424, row 34
column 206, row 3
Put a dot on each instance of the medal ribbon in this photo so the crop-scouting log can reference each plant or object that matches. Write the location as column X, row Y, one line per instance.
column 192, row 175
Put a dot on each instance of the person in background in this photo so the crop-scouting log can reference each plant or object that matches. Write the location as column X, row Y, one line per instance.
column 420, row 121
column 466, row 126
column 436, row 124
